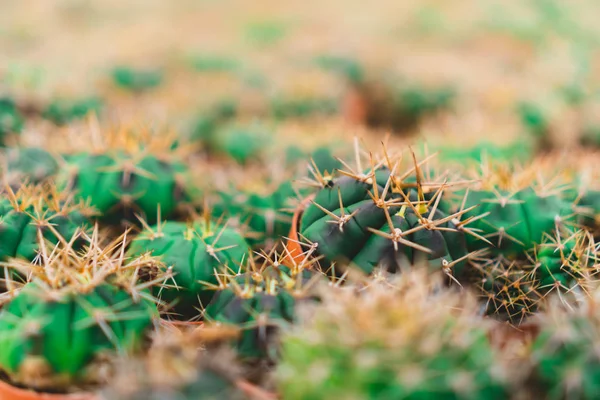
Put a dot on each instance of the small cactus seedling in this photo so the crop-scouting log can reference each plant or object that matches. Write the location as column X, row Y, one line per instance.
column 295, row 108
column 37, row 211
column 209, row 121
column 564, row 355
column 197, row 253
column 260, row 301
column 407, row 338
column 136, row 80
column 77, row 308
column 129, row 172
column 62, row 111
column 28, row 164
column 239, row 142
column 381, row 218
column 11, row 120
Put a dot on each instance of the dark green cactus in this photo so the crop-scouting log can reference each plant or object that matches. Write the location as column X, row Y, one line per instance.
column 197, row 253
column 33, row 211
column 62, row 111
column 11, row 120
column 259, row 303
column 289, row 108
column 374, row 219
column 29, row 164
column 264, row 217
column 119, row 184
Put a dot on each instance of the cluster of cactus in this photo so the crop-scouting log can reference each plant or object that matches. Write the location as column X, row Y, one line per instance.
column 131, row 172
column 404, row 338
column 28, row 164
column 61, row 111
column 11, row 118
column 75, row 308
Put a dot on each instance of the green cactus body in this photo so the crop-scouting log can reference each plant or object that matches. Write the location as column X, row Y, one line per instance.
column 416, row 102
column 29, row 164
column 30, row 212
column 589, row 205
column 118, row 184
column 354, row 240
column 207, row 123
column 241, row 143
column 258, row 304
column 287, row 108
column 517, row 222
column 265, row 217
column 64, row 335
column 564, row 364
column 136, row 80
column 195, row 253
column 63, row 111
column 11, row 120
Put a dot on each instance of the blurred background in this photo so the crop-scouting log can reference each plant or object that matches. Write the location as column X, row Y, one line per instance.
column 452, row 73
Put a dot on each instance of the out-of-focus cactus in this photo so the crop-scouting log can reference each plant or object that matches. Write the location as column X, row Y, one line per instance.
column 136, row 80
column 62, row 111
column 198, row 253
column 28, row 164
column 209, row 121
column 77, row 308
column 132, row 172
column 289, row 108
column 406, row 338
column 11, row 120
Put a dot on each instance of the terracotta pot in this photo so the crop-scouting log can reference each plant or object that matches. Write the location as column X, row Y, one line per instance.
column 293, row 246
column 354, row 108
column 9, row 392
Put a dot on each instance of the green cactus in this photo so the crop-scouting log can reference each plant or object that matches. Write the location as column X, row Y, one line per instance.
column 33, row 211
column 260, row 302
column 588, row 209
column 11, row 120
column 208, row 122
column 377, row 219
column 136, row 80
column 239, row 142
column 289, row 108
column 197, row 253
column 122, row 181
column 69, row 316
column 264, row 217
column 408, row 339
column 565, row 364
column 29, row 164
column 62, row 111
column 516, row 221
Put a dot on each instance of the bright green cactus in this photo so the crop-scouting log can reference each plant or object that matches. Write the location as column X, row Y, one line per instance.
column 29, row 164
column 121, row 181
column 196, row 253
column 33, row 211
column 11, row 120
column 565, row 363
column 404, row 339
column 264, row 217
column 516, row 221
column 136, row 80
column 62, row 111
column 70, row 316
column 259, row 303
column 239, row 142
column 588, row 209
column 379, row 218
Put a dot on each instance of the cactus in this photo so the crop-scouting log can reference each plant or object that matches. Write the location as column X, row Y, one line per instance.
column 70, row 316
column 35, row 211
column 264, row 217
column 239, row 142
column 134, row 172
column 379, row 218
column 288, row 108
column 28, row 164
column 405, row 338
column 207, row 123
column 197, row 253
column 62, row 111
column 179, row 365
column 565, row 362
column 11, row 120
column 136, row 80
column 261, row 301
